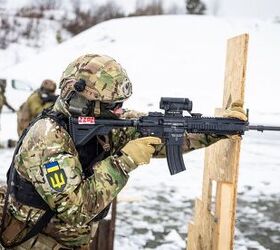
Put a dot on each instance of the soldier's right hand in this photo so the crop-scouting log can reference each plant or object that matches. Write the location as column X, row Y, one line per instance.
column 141, row 150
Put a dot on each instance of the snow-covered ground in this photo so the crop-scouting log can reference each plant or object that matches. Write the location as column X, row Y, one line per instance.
column 183, row 56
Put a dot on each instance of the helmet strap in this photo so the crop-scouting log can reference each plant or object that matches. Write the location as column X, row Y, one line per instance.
column 97, row 110
column 104, row 142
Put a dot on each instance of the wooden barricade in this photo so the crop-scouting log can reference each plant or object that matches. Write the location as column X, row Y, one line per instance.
column 214, row 219
column 104, row 238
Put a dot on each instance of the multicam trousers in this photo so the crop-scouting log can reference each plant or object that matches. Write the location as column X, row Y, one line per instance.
column 38, row 242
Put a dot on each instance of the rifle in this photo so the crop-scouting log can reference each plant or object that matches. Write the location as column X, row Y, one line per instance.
column 10, row 107
column 170, row 126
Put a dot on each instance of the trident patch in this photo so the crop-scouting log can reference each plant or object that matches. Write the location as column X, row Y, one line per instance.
column 55, row 176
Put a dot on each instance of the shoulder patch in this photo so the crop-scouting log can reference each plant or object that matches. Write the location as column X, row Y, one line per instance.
column 56, row 176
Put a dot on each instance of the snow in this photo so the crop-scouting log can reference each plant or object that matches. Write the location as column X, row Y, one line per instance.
column 27, row 37
column 194, row 41
column 182, row 56
column 47, row 31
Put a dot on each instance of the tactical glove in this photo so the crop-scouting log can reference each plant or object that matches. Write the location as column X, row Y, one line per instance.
column 236, row 111
column 139, row 151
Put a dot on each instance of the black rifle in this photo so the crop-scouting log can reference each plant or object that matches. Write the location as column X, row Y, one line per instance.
column 170, row 126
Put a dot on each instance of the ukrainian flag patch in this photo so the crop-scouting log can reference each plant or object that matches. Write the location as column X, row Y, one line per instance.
column 56, row 176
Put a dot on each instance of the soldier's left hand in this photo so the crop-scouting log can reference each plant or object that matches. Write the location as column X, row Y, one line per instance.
column 236, row 111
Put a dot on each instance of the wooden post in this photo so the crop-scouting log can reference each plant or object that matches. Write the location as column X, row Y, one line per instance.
column 214, row 220
column 104, row 238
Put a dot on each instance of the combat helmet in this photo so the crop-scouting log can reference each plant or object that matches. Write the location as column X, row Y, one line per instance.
column 48, row 86
column 94, row 81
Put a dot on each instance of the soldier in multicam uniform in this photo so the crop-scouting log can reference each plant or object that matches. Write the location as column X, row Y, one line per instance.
column 3, row 100
column 71, row 187
column 39, row 100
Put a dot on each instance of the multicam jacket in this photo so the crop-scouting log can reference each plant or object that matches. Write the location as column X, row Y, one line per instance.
column 49, row 160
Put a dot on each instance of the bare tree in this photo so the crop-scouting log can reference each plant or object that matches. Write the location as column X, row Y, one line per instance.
column 195, row 7
column 47, row 4
column 108, row 11
column 154, row 8
column 88, row 18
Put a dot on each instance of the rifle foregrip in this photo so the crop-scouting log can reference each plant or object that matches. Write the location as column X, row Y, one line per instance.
column 175, row 159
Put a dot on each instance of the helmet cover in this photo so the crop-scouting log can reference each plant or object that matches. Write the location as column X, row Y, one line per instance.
column 105, row 79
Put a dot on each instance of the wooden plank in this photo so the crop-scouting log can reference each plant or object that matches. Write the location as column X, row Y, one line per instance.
column 201, row 230
column 235, row 71
column 225, row 200
column 192, row 238
column 223, row 160
column 235, row 74
column 104, row 237
column 214, row 230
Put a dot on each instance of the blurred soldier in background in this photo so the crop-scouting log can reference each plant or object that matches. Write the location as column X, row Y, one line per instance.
column 39, row 100
column 58, row 192
column 3, row 100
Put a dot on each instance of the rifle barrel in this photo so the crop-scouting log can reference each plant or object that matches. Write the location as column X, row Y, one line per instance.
column 262, row 128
